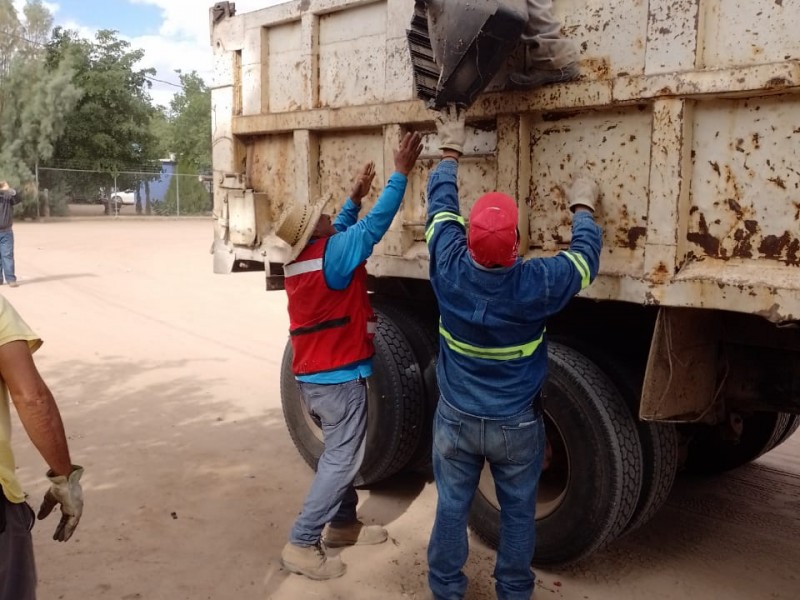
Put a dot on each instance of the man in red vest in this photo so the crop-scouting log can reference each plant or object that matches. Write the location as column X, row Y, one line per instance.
column 332, row 325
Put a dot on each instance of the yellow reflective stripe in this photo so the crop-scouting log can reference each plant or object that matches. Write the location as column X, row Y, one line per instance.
column 502, row 353
column 580, row 264
column 439, row 218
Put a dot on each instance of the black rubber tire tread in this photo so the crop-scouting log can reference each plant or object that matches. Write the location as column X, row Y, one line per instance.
column 395, row 399
column 605, row 464
column 792, row 426
column 658, row 441
column 710, row 454
column 424, row 341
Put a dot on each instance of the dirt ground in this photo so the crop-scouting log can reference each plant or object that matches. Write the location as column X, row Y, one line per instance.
column 167, row 377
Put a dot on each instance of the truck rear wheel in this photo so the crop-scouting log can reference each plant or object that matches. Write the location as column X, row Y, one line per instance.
column 394, row 412
column 590, row 490
column 658, row 441
column 424, row 342
column 792, row 426
column 712, row 450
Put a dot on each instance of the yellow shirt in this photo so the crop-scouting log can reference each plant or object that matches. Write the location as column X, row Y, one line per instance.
column 12, row 329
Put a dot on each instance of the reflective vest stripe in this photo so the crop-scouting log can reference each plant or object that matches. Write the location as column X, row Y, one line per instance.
column 302, row 267
column 440, row 218
column 580, row 264
column 502, row 353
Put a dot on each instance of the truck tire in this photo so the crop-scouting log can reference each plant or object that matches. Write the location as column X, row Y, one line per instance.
column 394, row 409
column 658, row 441
column 590, row 491
column 792, row 426
column 424, row 341
column 711, row 453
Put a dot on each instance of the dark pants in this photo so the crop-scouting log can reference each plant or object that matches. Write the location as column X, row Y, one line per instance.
column 17, row 567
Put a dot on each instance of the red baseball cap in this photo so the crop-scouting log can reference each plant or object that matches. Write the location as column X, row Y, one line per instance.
column 492, row 239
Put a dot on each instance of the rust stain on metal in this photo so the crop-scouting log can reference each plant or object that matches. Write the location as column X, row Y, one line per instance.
column 704, row 239
column 775, row 247
column 778, row 181
column 715, row 166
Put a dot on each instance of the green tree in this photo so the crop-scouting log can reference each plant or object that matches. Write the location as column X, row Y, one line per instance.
column 34, row 98
column 191, row 122
column 109, row 130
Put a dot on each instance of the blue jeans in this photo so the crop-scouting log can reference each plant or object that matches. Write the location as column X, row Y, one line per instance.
column 7, row 256
column 514, row 448
column 342, row 410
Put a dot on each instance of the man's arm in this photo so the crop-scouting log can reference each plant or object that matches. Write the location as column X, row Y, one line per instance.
column 444, row 215
column 573, row 270
column 347, row 250
column 35, row 405
column 349, row 213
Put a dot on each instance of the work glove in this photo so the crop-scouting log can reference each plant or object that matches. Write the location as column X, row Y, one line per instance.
column 67, row 492
column 583, row 191
column 450, row 124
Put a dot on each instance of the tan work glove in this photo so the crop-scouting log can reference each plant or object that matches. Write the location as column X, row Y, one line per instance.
column 450, row 124
column 583, row 191
column 67, row 492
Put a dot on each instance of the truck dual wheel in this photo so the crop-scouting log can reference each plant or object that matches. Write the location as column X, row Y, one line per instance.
column 423, row 338
column 590, row 491
column 395, row 398
column 658, row 441
column 792, row 425
column 713, row 449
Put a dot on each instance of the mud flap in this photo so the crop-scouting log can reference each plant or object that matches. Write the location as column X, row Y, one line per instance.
column 458, row 46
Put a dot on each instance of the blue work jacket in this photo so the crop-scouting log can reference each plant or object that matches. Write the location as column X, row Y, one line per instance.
column 493, row 353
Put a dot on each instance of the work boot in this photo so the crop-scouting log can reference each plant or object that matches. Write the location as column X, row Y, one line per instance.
column 538, row 77
column 312, row 561
column 356, row 533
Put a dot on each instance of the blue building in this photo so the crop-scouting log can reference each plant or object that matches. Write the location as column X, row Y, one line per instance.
column 159, row 187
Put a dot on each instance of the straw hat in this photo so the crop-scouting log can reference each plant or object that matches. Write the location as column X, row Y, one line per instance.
column 297, row 225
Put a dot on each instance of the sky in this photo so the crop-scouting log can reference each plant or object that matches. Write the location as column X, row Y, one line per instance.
column 173, row 33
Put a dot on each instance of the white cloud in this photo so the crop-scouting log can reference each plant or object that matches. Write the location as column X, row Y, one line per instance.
column 182, row 41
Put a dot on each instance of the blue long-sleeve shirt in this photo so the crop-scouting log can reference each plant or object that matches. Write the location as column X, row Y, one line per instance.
column 350, row 247
column 501, row 308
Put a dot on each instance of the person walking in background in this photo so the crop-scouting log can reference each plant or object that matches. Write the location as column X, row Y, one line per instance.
column 553, row 57
column 42, row 421
column 493, row 308
column 332, row 327
column 8, row 198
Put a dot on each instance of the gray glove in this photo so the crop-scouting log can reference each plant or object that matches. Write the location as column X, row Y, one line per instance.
column 450, row 124
column 67, row 492
column 583, row 191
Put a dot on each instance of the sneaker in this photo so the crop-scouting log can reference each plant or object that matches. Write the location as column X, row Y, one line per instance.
column 312, row 562
column 13, row 284
column 352, row 534
column 536, row 78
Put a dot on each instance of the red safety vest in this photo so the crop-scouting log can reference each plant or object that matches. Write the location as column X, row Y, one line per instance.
column 330, row 329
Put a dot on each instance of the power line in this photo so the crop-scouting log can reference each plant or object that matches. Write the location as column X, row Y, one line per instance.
column 177, row 85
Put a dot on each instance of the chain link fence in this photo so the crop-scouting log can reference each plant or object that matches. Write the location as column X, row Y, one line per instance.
column 160, row 191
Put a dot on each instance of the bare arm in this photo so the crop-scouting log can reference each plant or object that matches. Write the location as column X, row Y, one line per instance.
column 35, row 405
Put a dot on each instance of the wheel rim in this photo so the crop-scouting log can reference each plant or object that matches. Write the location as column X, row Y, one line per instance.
column 553, row 483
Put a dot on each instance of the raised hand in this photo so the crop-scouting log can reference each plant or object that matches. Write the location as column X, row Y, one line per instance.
column 362, row 183
column 406, row 155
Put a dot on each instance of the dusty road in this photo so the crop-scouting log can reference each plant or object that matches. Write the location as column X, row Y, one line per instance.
column 167, row 377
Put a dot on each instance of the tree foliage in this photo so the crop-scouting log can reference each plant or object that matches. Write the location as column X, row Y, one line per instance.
column 191, row 122
column 34, row 98
column 109, row 130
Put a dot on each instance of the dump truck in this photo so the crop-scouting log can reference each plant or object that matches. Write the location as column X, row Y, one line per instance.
column 684, row 354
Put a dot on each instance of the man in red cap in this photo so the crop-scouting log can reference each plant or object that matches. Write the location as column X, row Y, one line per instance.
column 493, row 362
